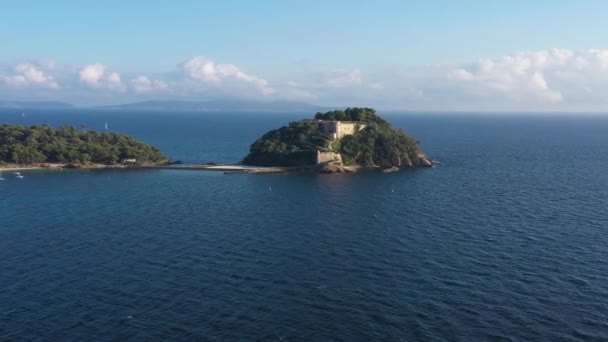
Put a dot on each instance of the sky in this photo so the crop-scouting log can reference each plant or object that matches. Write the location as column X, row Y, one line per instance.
column 424, row 55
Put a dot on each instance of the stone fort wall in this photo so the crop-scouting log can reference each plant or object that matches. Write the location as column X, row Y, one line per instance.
column 337, row 130
column 326, row 157
column 340, row 129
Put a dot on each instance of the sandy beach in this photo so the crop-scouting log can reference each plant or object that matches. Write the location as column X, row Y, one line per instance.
column 224, row 168
column 229, row 168
column 14, row 167
column 54, row 166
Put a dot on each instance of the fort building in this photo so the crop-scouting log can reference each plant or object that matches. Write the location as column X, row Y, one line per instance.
column 339, row 129
column 336, row 130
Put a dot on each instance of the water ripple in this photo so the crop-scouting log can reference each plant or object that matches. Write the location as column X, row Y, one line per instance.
column 479, row 248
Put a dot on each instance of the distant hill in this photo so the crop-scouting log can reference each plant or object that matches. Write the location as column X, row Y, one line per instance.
column 35, row 105
column 217, row 105
column 162, row 105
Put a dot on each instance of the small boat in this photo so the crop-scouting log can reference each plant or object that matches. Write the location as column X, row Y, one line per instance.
column 17, row 173
column 1, row 179
column 20, row 176
column 106, row 126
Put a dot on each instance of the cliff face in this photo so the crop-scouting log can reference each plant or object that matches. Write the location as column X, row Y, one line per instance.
column 423, row 160
column 419, row 160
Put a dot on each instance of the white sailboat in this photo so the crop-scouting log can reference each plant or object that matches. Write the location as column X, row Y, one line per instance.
column 106, row 126
column 1, row 179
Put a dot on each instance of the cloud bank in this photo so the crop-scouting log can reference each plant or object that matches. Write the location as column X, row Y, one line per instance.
column 207, row 72
column 555, row 79
column 29, row 75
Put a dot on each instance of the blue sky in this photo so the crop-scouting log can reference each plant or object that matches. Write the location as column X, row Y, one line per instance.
column 306, row 50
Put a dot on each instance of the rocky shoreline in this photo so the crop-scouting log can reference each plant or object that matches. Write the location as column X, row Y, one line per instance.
column 55, row 166
column 326, row 168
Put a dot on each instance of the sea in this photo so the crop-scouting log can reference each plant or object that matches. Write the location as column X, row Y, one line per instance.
column 505, row 239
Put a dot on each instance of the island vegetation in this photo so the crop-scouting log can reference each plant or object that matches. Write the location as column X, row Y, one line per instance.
column 373, row 143
column 45, row 144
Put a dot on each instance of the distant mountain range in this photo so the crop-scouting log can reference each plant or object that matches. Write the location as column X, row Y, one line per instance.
column 160, row 105
column 35, row 105
column 217, row 105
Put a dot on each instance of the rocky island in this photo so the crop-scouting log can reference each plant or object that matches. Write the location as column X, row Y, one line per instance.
column 339, row 141
column 43, row 145
column 335, row 141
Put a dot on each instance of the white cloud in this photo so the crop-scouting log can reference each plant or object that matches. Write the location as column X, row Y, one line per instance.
column 343, row 78
column 30, row 75
column 145, row 85
column 92, row 73
column 461, row 75
column 295, row 91
column 540, row 80
column 376, row 85
column 98, row 76
column 205, row 70
column 339, row 86
column 519, row 78
column 548, row 79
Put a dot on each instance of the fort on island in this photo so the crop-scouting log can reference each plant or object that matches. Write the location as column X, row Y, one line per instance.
column 337, row 141
column 339, row 129
column 336, row 130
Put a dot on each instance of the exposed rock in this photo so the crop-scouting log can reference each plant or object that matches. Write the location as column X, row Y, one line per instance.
column 423, row 160
column 332, row 168
column 328, row 157
column 390, row 169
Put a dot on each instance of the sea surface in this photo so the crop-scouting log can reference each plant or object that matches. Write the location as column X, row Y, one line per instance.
column 505, row 239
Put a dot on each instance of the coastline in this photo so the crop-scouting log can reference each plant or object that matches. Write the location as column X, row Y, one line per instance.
column 232, row 168
column 58, row 166
column 239, row 168
column 226, row 168
column 19, row 168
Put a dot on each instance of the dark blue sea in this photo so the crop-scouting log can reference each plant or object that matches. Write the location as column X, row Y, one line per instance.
column 506, row 239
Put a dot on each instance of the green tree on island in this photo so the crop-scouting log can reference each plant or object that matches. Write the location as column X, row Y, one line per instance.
column 378, row 144
column 38, row 144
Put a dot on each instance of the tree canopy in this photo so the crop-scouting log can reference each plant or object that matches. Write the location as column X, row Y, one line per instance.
column 378, row 144
column 363, row 115
column 289, row 145
column 38, row 144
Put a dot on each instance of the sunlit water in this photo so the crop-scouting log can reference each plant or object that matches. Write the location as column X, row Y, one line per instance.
column 505, row 239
